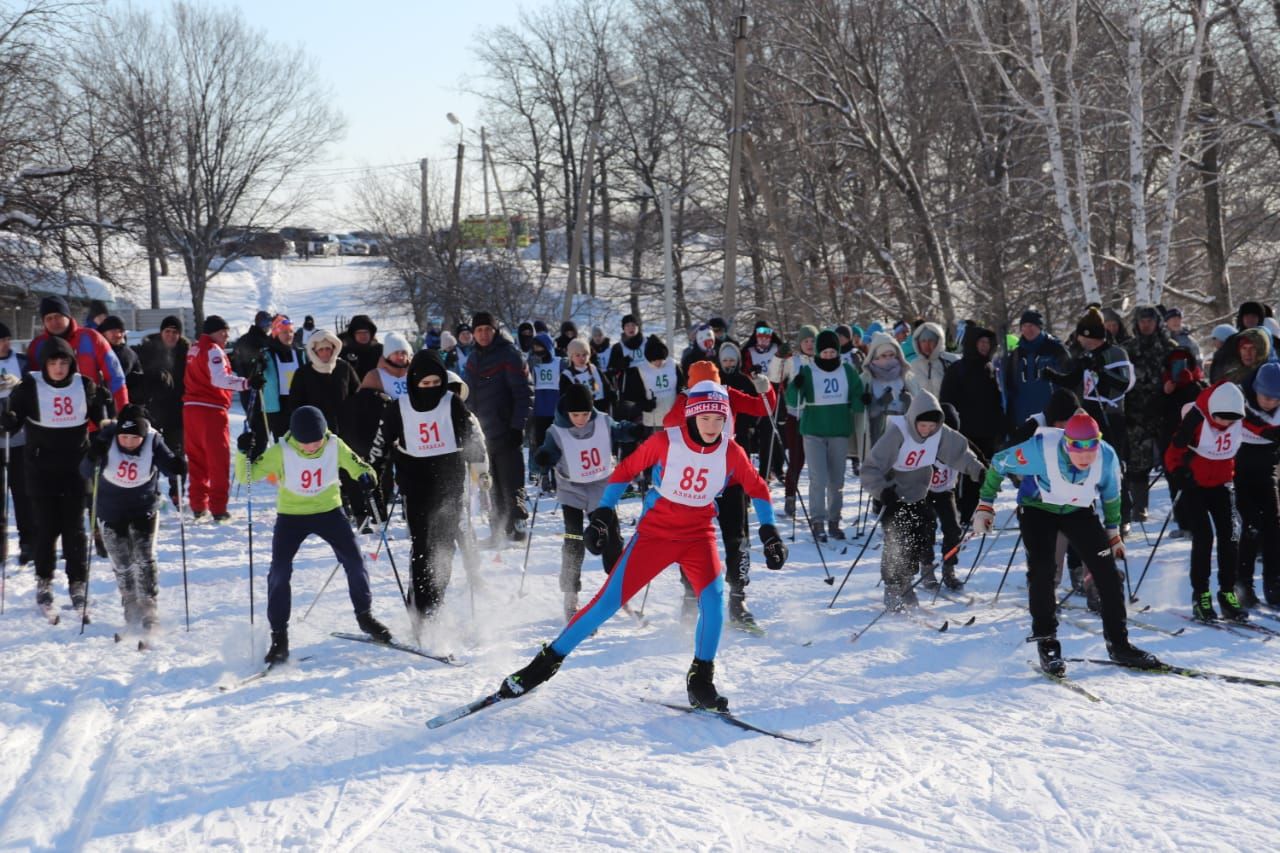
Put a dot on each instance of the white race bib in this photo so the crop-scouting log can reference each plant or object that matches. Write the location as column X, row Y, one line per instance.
column 1061, row 491
column 762, row 360
column 660, row 382
column 129, row 470
column 588, row 459
column 830, row 387
column 546, row 377
column 944, row 478
column 1217, row 443
column 308, row 477
column 913, row 455
column 394, row 387
column 285, row 370
column 590, row 378
column 428, row 433
column 689, row 478
column 61, row 408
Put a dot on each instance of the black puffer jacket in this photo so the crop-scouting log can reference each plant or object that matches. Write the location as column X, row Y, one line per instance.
column 361, row 357
column 501, row 394
column 970, row 385
column 163, row 373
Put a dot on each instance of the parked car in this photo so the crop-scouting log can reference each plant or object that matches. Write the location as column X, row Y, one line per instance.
column 260, row 244
column 325, row 244
column 351, row 245
column 371, row 239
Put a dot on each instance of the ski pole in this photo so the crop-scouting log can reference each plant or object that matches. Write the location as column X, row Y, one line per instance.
column 4, row 506
column 1007, row 567
column 870, row 535
column 994, row 540
column 528, row 542
column 965, row 536
column 883, row 611
column 1133, row 595
column 829, row 579
column 468, row 551
column 93, row 528
column 383, row 524
column 248, row 490
column 975, row 558
column 182, row 527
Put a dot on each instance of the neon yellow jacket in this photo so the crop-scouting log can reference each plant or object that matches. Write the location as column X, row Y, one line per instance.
column 270, row 466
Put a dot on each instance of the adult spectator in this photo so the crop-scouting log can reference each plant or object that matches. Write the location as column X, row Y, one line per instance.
column 1174, row 325
column 627, row 353
column 465, row 346
column 304, row 334
column 1026, row 388
column 783, row 370
column 1114, row 324
column 163, row 358
column 13, row 367
column 971, row 386
column 112, row 329
column 524, row 337
column 1148, row 351
column 568, row 332
column 95, row 315
column 209, row 385
column 1240, row 355
column 282, row 362
column 1250, row 315
column 931, row 359
column 391, row 376
column 248, row 348
column 360, row 346
column 721, row 330
column 502, row 399
column 325, row 381
column 94, row 359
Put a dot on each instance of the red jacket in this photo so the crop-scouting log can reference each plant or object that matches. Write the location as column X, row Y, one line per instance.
column 209, row 380
column 94, row 359
column 1208, row 473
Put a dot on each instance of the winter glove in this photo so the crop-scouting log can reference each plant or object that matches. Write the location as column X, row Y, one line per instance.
column 9, row 381
column 246, row 444
column 603, row 528
column 984, row 520
column 649, row 404
column 889, row 498
column 179, row 466
column 866, row 398
column 257, row 381
column 367, row 482
column 784, row 350
column 1180, row 478
column 543, row 458
column 9, row 421
column 761, row 382
column 1115, row 543
column 775, row 553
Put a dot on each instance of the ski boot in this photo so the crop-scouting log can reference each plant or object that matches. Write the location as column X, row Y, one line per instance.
column 26, row 554
column 789, row 506
column 201, row 517
column 1231, row 608
column 1051, row 656
column 570, row 605
column 834, row 531
column 899, row 596
column 738, row 612
column 222, row 518
column 949, row 578
column 371, row 626
column 1202, row 607
column 279, row 651
column 1093, row 598
column 1271, row 592
column 701, row 686
column 929, row 575
column 544, row 665
column 819, row 533
column 44, row 592
column 79, row 595
column 1127, row 654
column 1247, row 596
column 99, row 547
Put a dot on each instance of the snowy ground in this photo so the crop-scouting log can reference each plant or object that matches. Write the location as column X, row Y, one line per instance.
column 926, row 739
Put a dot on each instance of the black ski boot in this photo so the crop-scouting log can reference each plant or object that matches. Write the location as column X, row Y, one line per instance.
column 1127, row 654
column 899, row 596
column 701, row 686
column 1093, row 598
column 279, row 651
column 929, row 575
column 1231, row 609
column 949, row 578
column 79, row 593
column 1247, row 595
column 738, row 611
column 44, row 592
column 373, row 627
column 834, row 531
column 819, row 533
column 544, row 665
column 789, row 506
column 1051, row 657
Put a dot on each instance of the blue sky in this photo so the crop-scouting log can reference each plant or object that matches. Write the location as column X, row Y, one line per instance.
column 395, row 69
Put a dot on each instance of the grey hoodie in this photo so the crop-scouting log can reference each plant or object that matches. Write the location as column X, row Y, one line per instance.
column 913, row 486
column 583, row 496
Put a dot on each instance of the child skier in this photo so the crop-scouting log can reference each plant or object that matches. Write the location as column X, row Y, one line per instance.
column 130, row 455
column 1200, row 460
column 304, row 466
column 695, row 460
column 1063, row 471
column 899, row 470
column 431, row 436
column 578, row 447
column 942, row 500
column 578, row 369
column 544, row 367
column 653, row 385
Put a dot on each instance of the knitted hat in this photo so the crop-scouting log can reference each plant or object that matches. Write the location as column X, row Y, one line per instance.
column 263, row 320
column 577, row 345
column 97, row 308
column 578, row 398
column 483, row 318
column 1267, row 380
column 1082, row 427
column 703, row 371
column 1092, row 325
column 461, row 327
column 1172, row 312
column 856, row 332
column 844, row 331
column 111, row 323
column 539, row 326
column 568, row 327
column 718, row 323
column 213, row 324
column 133, row 421
column 1226, row 402
column 704, row 336
column 279, row 323
column 1147, row 312
column 655, row 349
column 1222, row 331
column 827, row 340
column 395, row 342
column 4, row 331
column 447, row 340
column 1032, row 316
column 707, row 398
column 361, row 323
column 807, row 332
column 54, row 305
column 629, row 318
column 307, row 424
column 171, row 322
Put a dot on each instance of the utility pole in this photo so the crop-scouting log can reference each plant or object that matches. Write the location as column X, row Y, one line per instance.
column 484, row 172
column 425, row 204
column 455, row 236
column 502, row 204
column 730, row 296
column 580, row 217
column 668, row 271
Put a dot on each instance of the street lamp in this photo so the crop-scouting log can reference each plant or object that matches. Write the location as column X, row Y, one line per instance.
column 455, row 234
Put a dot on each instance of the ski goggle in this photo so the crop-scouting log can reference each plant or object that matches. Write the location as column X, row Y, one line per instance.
column 1081, row 445
column 763, row 330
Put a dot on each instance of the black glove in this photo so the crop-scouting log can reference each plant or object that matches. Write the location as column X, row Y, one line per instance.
column 1057, row 377
column 889, row 497
column 775, row 553
column 866, row 398
column 247, row 445
column 257, row 381
column 367, row 483
column 179, row 467
column 603, row 528
column 98, row 448
column 1180, row 478
column 784, row 350
column 543, row 458
column 649, row 404
column 9, row 421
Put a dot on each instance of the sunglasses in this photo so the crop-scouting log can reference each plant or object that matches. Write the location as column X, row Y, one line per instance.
column 1081, row 445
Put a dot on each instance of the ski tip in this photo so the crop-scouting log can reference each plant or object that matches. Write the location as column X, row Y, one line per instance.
column 972, row 619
